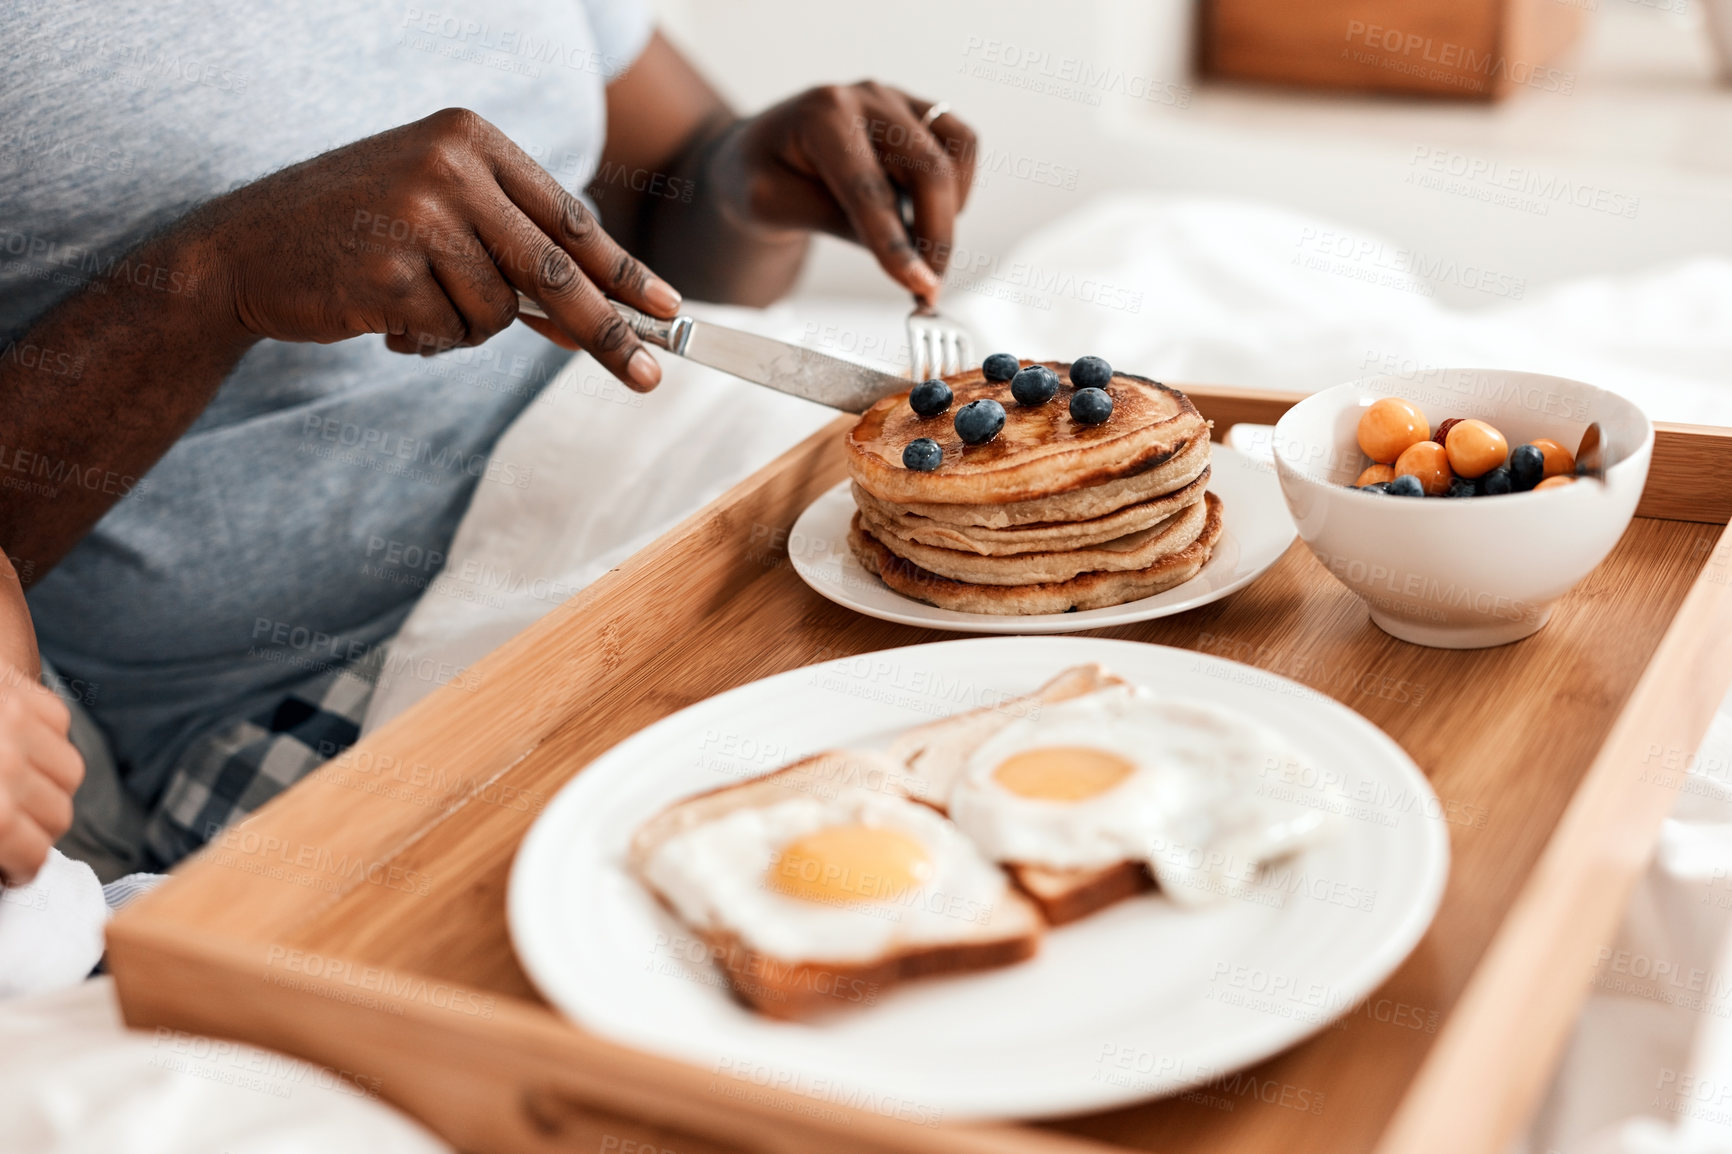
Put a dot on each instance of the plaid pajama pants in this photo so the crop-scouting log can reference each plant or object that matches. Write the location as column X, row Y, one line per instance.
column 235, row 768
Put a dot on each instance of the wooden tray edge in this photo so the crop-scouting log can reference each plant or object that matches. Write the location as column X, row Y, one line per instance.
column 1524, row 995
column 560, row 1084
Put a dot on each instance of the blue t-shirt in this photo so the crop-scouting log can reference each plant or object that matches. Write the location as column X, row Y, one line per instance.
column 295, row 523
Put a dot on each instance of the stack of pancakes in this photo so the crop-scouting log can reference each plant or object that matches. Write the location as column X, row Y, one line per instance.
column 1049, row 516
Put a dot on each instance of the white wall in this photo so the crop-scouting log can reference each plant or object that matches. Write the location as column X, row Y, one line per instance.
column 1643, row 127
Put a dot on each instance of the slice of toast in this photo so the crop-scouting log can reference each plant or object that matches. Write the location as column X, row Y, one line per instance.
column 801, row 991
column 1065, row 895
column 795, row 988
column 936, row 753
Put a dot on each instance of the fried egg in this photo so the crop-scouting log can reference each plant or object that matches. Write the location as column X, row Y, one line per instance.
column 1121, row 775
column 848, row 878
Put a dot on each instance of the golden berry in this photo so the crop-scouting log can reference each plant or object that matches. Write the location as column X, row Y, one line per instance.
column 1389, row 426
column 1429, row 463
column 1559, row 460
column 1475, row 448
column 1373, row 474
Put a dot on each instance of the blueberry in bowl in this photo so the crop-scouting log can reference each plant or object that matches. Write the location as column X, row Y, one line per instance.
column 1406, row 485
column 1527, row 467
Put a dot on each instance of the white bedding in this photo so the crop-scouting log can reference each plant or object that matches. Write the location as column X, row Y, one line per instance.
column 73, row 1081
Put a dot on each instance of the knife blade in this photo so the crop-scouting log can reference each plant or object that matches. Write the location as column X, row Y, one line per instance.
column 787, row 368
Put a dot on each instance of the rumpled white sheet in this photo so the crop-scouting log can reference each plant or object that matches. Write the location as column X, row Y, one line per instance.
column 51, row 929
column 1223, row 292
column 1203, row 291
column 73, row 1081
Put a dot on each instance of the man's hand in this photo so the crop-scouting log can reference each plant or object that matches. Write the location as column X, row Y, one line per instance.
column 835, row 158
column 39, row 771
column 425, row 233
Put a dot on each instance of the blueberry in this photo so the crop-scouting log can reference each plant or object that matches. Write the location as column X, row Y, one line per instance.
column 978, row 422
column 1000, row 367
column 1406, row 485
column 929, row 398
column 1527, row 467
column 1495, row 483
column 1035, row 385
column 1374, row 487
column 1090, row 373
column 923, row 455
column 1091, row 406
column 1460, row 487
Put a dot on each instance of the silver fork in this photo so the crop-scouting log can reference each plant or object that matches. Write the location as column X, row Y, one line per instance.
column 937, row 346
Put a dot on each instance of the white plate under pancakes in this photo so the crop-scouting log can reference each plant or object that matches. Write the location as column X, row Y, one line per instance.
column 1256, row 530
column 1143, row 999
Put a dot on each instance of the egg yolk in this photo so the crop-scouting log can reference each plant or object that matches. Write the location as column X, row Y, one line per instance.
column 1061, row 772
column 850, row 863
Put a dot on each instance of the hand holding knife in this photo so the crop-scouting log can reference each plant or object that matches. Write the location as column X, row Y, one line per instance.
column 774, row 364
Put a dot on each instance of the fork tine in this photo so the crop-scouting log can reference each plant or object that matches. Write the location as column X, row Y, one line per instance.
column 961, row 353
column 937, row 347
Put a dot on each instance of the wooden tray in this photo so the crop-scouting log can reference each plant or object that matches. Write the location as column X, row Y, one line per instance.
column 359, row 920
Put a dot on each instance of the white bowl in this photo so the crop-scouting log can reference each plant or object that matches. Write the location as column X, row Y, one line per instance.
column 1470, row 572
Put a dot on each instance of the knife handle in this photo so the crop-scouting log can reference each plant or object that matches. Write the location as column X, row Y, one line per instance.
column 670, row 335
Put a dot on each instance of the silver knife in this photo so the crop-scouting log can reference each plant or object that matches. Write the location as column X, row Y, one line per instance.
column 775, row 364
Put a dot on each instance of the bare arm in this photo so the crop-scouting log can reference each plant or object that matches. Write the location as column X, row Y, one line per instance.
column 724, row 205
column 424, row 233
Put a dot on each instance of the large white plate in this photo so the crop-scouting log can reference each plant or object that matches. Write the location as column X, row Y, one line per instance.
column 1256, row 529
column 1143, row 999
